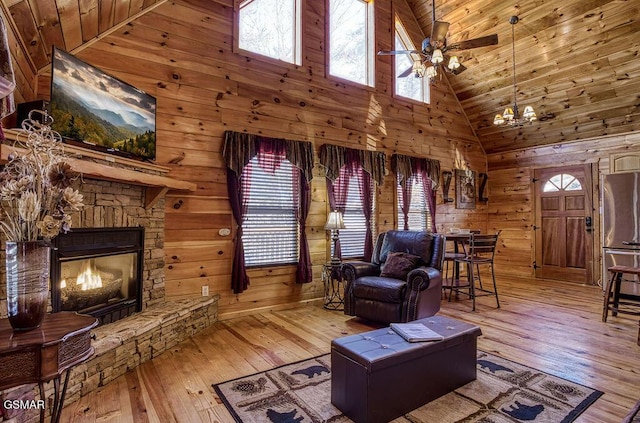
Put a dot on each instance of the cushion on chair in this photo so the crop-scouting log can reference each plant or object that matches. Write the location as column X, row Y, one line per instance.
column 413, row 242
column 380, row 289
column 398, row 265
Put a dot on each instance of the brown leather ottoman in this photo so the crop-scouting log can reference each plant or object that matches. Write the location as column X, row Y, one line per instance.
column 377, row 376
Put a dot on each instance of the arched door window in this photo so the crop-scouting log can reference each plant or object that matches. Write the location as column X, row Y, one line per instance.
column 562, row 182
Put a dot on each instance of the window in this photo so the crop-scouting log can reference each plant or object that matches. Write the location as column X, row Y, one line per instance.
column 351, row 39
column 270, row 227
column 411, row 86
column 562, row 182
column 419, row 213
column 271, row 28
column 352, row 238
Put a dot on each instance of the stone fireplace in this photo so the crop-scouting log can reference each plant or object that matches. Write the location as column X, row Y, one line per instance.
column 119, row 234
column 98, row 271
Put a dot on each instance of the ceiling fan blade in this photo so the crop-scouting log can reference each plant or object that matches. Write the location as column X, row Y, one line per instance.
column 405, row 73
column 489, row 40
column 394, row 52
column 439, row 31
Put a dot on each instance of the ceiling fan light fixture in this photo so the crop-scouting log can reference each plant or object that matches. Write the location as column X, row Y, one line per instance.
column 454, row 63
column 435, row 50
column 437, row 57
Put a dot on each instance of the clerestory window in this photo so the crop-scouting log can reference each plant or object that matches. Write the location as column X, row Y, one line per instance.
column 408, row 86
column 351, row 40
column 271, row 28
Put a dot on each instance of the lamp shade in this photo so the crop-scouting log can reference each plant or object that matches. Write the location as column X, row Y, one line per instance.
column 431, row 72
column 498, row 120
column 334, row 221
column 508, row 113
column 454, row 63
column 529, row 113
column 418, row 68
column 437, row 57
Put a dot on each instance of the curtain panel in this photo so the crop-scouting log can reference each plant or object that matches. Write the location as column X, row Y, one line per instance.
column 238, row 150
column 427, row 169
column 333, row 158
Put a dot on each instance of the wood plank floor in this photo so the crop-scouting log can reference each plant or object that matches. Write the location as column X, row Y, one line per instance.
column 552, row 326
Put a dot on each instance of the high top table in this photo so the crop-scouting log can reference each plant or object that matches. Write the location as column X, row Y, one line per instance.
column 62, row 341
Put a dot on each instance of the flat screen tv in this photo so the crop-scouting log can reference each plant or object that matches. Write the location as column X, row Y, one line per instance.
column 93, row 109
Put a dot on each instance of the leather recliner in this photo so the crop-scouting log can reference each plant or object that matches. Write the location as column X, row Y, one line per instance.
column 384, row 299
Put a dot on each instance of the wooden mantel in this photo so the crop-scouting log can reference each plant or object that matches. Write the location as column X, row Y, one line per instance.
column 156, row 185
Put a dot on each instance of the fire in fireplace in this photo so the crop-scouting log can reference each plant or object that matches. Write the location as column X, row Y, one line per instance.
column 98, row 271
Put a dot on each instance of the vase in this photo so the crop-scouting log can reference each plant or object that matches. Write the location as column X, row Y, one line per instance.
column 27, row 283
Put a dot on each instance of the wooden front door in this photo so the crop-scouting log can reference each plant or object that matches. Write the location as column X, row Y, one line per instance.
column 563, row 228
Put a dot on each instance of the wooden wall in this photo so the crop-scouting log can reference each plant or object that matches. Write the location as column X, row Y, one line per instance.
column 181, row 52
column 511, row 194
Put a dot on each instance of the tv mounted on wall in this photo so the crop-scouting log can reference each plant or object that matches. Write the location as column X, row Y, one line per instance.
column 95, row 110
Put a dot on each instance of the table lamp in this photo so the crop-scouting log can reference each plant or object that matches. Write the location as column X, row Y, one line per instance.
column 334, row 224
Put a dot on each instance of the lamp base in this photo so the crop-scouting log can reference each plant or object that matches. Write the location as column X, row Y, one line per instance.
column 335, row 260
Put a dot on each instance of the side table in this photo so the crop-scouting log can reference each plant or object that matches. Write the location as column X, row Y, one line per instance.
column 333, row 286
column 62, row 341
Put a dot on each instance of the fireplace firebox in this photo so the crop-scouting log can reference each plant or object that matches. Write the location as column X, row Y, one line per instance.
column 98, row 271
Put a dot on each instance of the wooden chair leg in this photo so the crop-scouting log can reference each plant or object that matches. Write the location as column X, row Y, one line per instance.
column 451, row 279
column 607, row 296
column 616, row 294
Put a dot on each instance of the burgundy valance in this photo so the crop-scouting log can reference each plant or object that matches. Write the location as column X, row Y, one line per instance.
column 239, row 148
column 405, row 166
column 334, row 157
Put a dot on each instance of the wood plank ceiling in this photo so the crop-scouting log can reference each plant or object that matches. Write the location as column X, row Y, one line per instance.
column 577, row 60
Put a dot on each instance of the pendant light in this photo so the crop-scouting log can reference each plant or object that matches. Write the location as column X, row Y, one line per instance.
column 511, row 116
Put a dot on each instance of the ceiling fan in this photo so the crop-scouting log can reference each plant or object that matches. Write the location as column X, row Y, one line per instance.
column 434, row 53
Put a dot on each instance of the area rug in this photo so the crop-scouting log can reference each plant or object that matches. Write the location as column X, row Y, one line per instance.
column 504, row 392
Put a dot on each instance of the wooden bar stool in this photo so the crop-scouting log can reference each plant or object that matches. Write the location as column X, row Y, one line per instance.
column 612, row 302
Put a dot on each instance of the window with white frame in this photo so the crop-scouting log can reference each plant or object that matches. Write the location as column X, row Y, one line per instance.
column 353, row 236
column 271, row 28
column 410, row 86
column 419, row 214
column 270, row 228
column 351, row 40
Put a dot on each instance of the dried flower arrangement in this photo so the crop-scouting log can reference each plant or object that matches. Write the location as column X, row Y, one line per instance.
column 36, row 197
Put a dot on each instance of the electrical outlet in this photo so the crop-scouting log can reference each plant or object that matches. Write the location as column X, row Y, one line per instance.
column 205, row 290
